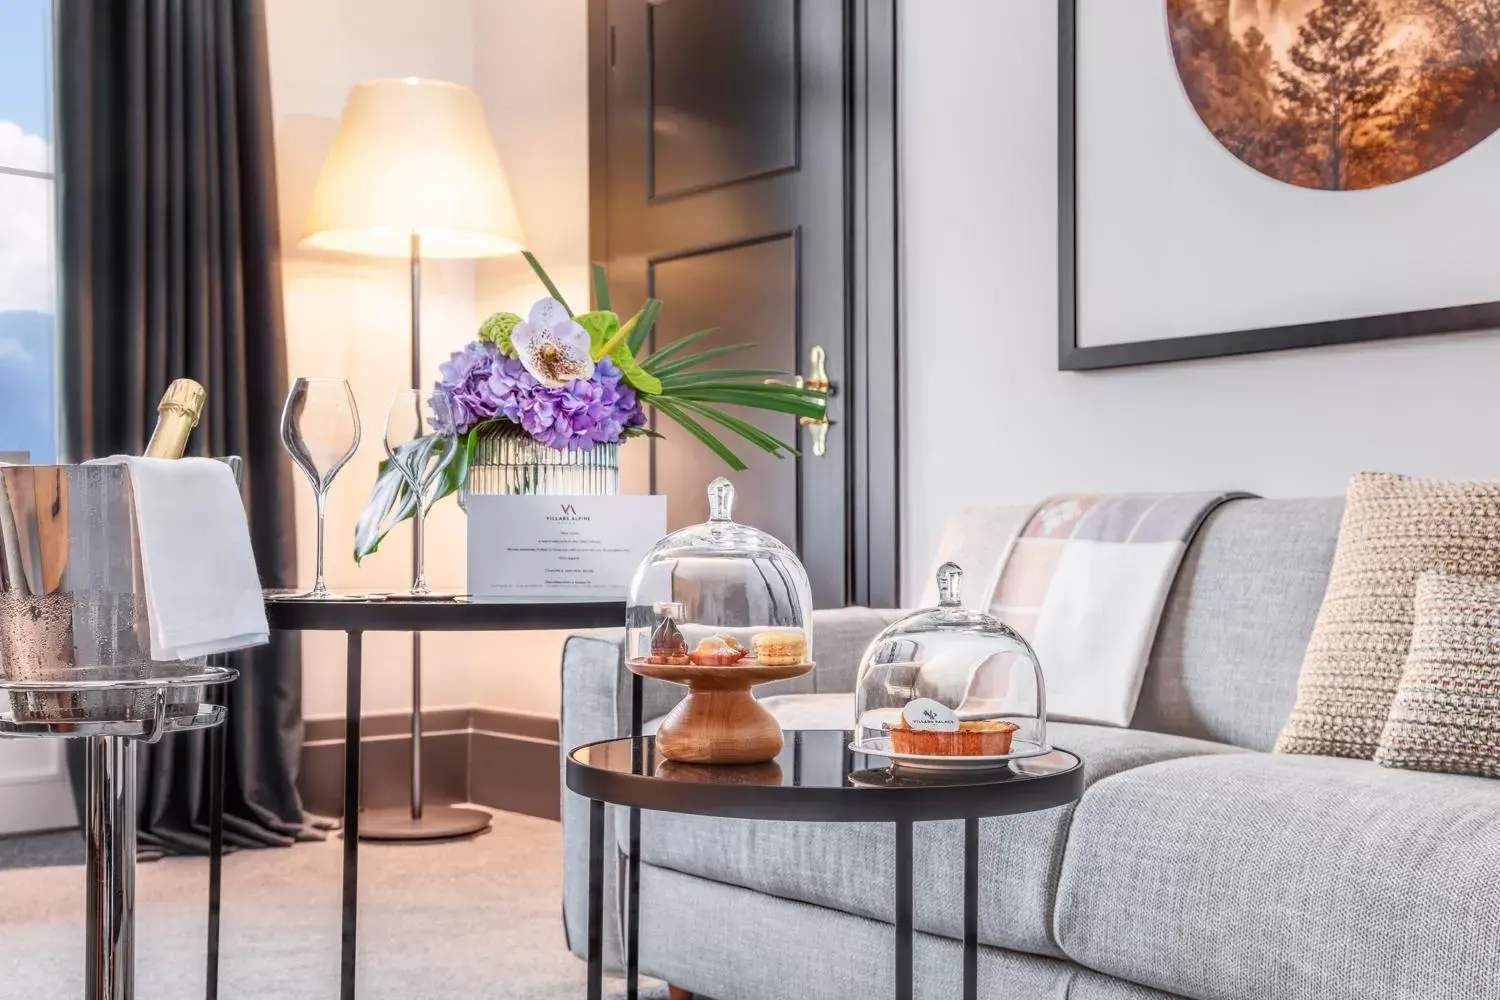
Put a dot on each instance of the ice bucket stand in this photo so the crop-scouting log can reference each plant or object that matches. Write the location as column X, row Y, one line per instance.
column 76, row 663
column 110, row 807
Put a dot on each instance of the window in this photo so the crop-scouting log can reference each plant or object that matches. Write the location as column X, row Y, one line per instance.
column 28, row 396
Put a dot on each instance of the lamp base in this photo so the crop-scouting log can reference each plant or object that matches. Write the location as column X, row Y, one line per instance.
column 437, row 823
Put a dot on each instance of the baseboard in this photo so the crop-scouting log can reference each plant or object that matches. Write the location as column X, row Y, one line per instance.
column 505, row 760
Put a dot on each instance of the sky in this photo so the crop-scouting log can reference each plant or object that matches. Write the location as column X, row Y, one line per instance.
column 26, row 270
column 26, row 249
column 25, row 64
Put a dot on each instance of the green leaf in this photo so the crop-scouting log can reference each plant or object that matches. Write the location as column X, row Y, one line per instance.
column 638, row 378
column 638, row 336
column 602, row 328
column 601, row 325
column 618, row 337
column 601, row 286
column 392, row 502
column 801, row 406
column 694, row 360
column 661, row 356
column 551, row 288
column 633, row 432
column 684, row 379
column 743, row 428
column 701, row 433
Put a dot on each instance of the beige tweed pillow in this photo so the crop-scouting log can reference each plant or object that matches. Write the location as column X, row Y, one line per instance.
column 1394, row 529
column 1446, row 716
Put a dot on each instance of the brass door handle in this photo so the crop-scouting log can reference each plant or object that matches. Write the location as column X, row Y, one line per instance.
column 817, row 381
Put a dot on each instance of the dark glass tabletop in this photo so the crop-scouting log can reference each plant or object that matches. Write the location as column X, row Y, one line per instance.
column 817, row 777
column 286, row 609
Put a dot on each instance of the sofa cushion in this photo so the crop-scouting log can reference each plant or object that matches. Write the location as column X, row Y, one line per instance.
column 1394, row 529
column 1446, row 716
column 1252, row 875
column 849, row 866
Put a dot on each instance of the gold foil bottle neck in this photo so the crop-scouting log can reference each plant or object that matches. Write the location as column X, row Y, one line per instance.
column 177, row 414
column 184, row 396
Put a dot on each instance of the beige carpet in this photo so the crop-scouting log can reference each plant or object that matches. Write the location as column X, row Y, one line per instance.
column 475, row 920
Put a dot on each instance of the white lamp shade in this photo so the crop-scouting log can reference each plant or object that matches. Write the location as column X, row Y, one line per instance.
column 413, row 156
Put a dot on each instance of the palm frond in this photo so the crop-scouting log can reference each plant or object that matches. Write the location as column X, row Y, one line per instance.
column 671, row 409
column 661, row 356
column 638, row 336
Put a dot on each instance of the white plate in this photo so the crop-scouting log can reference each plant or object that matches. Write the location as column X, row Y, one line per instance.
column 880, row 746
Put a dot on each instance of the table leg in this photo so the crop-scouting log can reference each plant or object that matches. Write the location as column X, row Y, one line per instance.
column 971, row 908
column 216, row 739
column 351, row 814
column 904, row 931
column 109, row 829
column 596, row 900
column 633, row 861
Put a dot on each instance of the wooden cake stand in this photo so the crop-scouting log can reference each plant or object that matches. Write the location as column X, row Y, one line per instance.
column 719, row 722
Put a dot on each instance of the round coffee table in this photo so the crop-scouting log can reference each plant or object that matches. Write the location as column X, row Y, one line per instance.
column 816, row 778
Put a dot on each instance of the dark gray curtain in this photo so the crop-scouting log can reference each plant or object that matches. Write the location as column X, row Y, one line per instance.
column 170, row 262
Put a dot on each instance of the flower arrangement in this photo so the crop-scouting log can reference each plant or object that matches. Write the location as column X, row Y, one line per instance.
column 573, row 381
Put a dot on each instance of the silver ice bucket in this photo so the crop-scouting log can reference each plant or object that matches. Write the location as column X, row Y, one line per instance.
column 75, row 634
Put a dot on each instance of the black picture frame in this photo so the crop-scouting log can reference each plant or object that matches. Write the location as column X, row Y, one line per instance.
column 1073, row 357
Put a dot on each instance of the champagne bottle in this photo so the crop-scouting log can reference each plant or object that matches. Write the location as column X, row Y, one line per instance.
column 176, row 416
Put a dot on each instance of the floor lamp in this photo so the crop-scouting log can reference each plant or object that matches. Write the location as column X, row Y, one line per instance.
column 413, row 173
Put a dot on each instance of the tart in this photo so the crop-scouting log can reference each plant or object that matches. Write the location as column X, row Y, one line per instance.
column 975, row 738
column 716, row 651
column 780, row 648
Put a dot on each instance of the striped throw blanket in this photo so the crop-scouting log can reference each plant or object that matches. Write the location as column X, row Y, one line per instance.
column 1085, row 579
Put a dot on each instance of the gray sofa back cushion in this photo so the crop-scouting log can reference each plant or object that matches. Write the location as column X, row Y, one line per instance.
column 1230, row 644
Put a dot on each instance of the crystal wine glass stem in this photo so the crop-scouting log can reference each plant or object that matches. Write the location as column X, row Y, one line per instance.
column 419, row 585
column 320, row 588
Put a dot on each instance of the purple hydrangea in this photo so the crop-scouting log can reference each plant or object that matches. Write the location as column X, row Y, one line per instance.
column 485, row 384
column 465, row 379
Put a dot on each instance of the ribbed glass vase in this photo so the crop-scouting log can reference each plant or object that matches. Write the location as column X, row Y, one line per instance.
column 508, row 460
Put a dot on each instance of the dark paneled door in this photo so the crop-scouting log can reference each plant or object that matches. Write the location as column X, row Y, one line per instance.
column 723, row 182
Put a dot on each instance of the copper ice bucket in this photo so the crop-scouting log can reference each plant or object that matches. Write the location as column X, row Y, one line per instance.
column 73, row 603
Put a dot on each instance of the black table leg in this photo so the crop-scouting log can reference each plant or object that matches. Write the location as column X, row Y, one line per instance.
column 351, row 814
column 904, row 932
column 215, row 738
column 633, row 862
column 596, row 900
column 971, row 908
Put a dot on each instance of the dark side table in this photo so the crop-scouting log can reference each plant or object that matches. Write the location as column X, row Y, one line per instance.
column 393, row 614
column 816, row 778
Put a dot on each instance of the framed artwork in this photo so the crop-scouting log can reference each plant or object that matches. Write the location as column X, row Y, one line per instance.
column 1255, row 175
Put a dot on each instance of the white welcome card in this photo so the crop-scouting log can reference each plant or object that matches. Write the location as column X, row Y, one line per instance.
column 527, row 548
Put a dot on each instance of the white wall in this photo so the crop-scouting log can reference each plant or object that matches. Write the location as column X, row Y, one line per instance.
column 349, row 316
column 989, row 418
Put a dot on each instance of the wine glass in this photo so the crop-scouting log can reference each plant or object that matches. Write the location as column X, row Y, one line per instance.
column 320, row 430
column 421, row 439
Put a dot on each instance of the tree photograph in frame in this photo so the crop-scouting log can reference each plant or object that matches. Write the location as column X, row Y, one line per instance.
column 1238, row 176
column 1341, row 94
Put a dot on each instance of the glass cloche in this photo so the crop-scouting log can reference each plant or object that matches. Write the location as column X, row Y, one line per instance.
column 720, row 606
column 947, row 686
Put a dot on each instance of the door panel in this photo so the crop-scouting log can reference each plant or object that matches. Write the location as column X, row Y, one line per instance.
column 723, row 104
column 744, row 288
column 722, row 191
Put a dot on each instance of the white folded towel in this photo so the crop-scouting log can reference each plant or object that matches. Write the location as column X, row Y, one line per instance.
column 202, row 588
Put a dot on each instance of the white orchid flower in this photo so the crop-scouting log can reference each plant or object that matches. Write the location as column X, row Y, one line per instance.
column 553, row 347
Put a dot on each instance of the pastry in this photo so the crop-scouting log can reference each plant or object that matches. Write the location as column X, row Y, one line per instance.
column 667, row 642
column 975, row 738
column 716, row 651
column 779, row 648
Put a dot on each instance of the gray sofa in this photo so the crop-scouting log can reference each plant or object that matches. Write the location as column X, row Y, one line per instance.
column 1197, row 864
